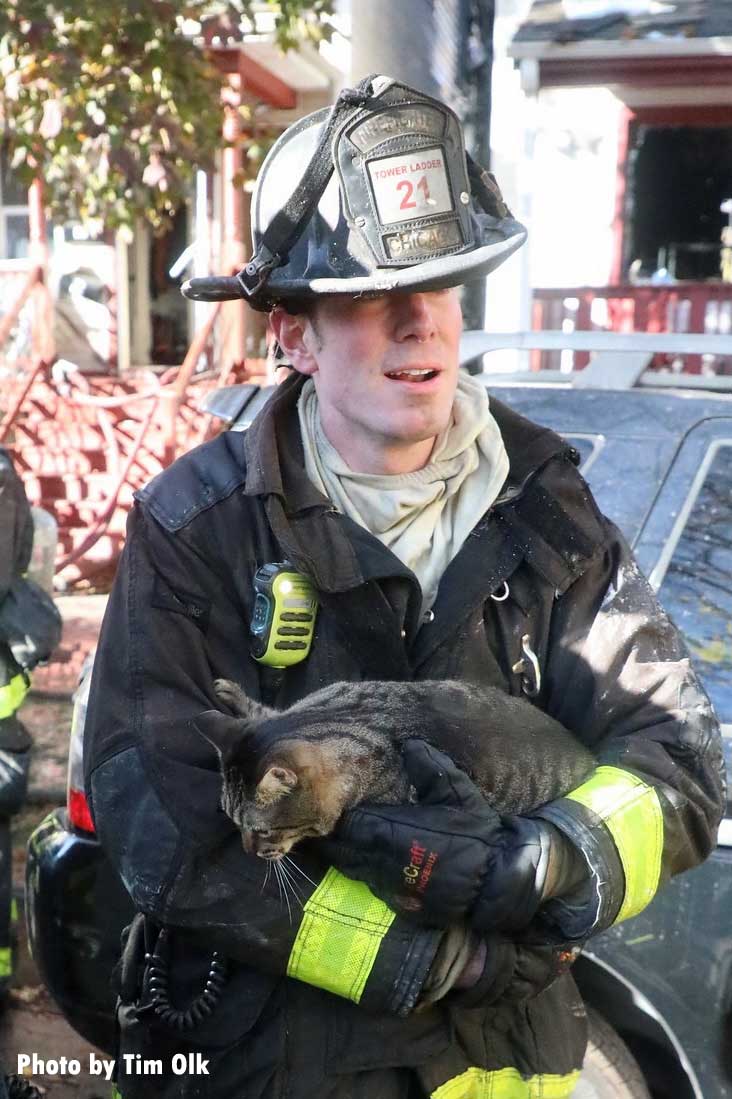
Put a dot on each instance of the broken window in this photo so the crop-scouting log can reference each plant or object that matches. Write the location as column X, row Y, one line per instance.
column 679, row 177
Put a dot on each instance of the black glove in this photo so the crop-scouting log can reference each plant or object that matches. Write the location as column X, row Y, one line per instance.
column 451, row 857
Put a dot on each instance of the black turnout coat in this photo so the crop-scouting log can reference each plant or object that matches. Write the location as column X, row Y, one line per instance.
column 293, row 1022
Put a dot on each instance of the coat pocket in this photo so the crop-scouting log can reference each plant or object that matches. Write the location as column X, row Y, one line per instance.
column 213, row 1058
column 358, row 1041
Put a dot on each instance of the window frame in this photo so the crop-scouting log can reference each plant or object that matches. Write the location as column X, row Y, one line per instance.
column 658, row 573
column 697, row 452
column 5, row 213
column 11, row 209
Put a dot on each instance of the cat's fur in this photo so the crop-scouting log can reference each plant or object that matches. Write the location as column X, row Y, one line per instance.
column 290, row 774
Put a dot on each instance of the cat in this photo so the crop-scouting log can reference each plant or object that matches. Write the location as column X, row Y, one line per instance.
column 290, row 774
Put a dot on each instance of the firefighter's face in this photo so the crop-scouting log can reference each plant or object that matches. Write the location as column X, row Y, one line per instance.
column 385, row 368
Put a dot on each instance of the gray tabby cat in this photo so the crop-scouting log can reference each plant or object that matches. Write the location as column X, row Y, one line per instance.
column 288, row 774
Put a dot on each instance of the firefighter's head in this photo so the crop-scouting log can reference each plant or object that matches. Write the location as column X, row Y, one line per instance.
column 366, row 219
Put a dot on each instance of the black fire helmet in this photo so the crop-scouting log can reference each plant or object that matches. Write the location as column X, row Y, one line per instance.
column 374, row 194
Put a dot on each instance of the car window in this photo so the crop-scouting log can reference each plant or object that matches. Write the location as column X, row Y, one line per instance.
column 697, row 587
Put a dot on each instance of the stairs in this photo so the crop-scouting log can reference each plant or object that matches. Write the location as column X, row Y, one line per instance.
column 73, row 456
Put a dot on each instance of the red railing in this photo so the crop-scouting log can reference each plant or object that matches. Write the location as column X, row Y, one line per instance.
column 683, row 307
column 26, row 334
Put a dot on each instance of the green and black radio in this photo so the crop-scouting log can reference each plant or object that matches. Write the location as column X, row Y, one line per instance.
column 283, row 619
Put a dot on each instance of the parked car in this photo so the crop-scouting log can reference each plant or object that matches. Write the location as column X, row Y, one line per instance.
column 659, row 988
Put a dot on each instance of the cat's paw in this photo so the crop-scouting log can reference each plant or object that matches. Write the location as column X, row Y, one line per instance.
column 229, row 693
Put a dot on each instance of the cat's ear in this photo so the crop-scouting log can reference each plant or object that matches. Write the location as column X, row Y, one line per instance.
column 276, row 783
column 222, row 730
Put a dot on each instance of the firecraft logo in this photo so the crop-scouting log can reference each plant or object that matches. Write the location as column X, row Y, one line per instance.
column 417, row 874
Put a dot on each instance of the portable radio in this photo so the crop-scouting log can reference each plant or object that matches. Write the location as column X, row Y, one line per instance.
column 283, row 618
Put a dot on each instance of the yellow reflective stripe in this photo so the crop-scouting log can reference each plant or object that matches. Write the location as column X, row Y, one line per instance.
column 12, row 694
column 340, row 935
column 632, row 813
column 6, row 962
column 13, row 911
column 507, row 1083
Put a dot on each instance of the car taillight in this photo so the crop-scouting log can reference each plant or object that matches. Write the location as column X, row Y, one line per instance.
column 77, row 806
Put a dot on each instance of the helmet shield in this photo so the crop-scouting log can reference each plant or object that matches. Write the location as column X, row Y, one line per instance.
column 400, row 206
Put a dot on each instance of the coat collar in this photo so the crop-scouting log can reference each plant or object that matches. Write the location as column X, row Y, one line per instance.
column 274, row 452
column 528, row 445
column 276, row 462
column 336, row 553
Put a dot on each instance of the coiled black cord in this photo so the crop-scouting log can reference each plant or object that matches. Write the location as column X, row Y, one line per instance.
column 202, row 1007
column 18, row 1088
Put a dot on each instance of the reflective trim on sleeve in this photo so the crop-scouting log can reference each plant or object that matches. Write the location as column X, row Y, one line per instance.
column 632, row 813
column 342, row 929
column 6, row 962
column 12, row 694
column 507, row 1083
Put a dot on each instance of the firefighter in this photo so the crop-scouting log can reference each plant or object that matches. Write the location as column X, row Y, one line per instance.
column 445, row 537
column 30, row 627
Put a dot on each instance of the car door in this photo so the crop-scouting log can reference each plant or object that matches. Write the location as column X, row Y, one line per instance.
column 677, row 954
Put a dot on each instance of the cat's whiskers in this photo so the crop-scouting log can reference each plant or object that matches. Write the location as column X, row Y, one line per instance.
column 278, row 879
column 267, row 873
column 283, row 884
column 296, row 886
column 293, row 864
column 292, row 882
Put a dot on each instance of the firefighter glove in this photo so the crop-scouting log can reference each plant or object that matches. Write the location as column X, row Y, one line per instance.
column 451, row 857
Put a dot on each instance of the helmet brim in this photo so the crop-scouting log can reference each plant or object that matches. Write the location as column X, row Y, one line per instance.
column 436, row 274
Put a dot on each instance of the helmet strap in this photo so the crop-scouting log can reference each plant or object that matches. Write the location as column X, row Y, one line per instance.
column 288, row 224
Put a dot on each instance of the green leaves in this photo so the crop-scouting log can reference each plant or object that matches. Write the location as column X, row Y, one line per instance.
column 115, row 106
column 298, row 22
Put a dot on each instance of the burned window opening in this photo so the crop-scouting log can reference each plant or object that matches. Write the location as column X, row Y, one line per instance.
column 678, row 176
